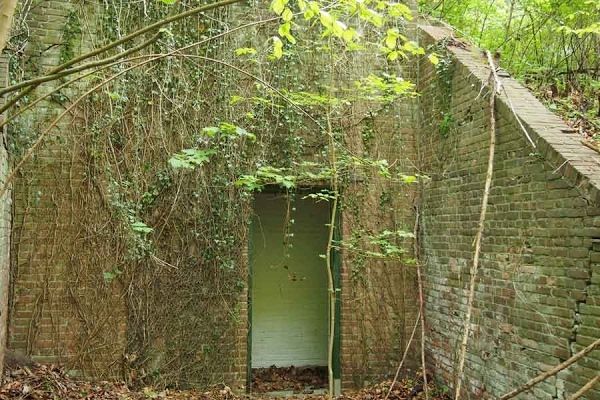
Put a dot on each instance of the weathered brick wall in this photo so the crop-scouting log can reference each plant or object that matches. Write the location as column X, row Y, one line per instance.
column 379, row 297
column 61, row 310
column 379, row 302
column 537, row 300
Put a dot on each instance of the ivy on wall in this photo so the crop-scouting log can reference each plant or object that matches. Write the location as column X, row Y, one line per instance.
column 172, row 151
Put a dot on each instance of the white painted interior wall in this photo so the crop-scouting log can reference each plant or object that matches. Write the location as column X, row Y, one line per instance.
column 289, row 293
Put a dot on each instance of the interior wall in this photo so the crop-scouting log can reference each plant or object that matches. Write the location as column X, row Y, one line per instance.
column 289, row 321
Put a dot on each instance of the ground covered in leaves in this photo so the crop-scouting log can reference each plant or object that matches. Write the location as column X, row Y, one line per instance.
column 47, row 382
column 303, row 380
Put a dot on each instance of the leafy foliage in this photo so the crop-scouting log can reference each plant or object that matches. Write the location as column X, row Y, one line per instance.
column 190, row 158
column 266, row 175
column 551, row 45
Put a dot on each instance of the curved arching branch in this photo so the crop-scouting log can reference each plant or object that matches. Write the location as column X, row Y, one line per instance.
column 116, row 43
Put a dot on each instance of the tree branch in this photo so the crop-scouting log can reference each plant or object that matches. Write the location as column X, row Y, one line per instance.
column 156, row 57
column 412, row 335
column 116, row 43
column 585, row 388
column 47, row 78
column 541, row 377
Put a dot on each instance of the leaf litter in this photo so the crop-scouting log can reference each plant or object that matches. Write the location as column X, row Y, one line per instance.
column 51, row 382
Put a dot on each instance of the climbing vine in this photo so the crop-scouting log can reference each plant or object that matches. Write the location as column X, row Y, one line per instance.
column 170, row 153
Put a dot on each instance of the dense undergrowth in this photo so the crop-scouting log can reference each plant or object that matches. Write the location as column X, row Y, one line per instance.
column 552, row 46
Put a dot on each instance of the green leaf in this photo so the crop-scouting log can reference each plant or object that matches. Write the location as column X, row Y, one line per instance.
column 235, row 100
column 372, row 17
column 413, row 48
column 285, row 31
column 227, row 129
column 210, row 131
column 244, row 133
column 287, row 15
column 277, row 48
column 245, row 51
column 391, row 38
column 249, row 182
column 399, row 10
column 190, row 158
column 278, row 6
column 408, row 178
column 311, row 10
column 326, row 19
column 109, row 276
column 140, row 227
column 339, row 28
column 169, row 2
column 349, row 35
column 433, row 58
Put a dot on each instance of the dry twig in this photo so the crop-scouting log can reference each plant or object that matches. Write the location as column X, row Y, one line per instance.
column 421, row 301
column 585, row 388
column 412, row 335
column 541, row 377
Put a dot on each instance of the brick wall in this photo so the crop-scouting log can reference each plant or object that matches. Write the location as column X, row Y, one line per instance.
column 537, row 299
column 61, row 310
column 379, row 301
column 378, row 298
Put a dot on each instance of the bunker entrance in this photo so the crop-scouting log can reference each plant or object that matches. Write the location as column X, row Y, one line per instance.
column 288, row 297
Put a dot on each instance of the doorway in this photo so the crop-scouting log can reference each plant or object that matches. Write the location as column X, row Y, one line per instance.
column 288, row 297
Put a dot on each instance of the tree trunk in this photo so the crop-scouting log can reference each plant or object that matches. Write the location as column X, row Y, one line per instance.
column 7, row 10
column 5, row 212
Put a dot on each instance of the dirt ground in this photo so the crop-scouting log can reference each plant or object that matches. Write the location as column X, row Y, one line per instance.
column 47, row 382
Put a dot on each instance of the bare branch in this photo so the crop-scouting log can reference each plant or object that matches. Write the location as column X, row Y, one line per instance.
column 585, row 388
column 70, row 71
column 131, row 36
column 412, row 335
column 542, row 377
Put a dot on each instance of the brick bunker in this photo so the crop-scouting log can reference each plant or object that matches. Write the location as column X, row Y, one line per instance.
column 79, row 296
